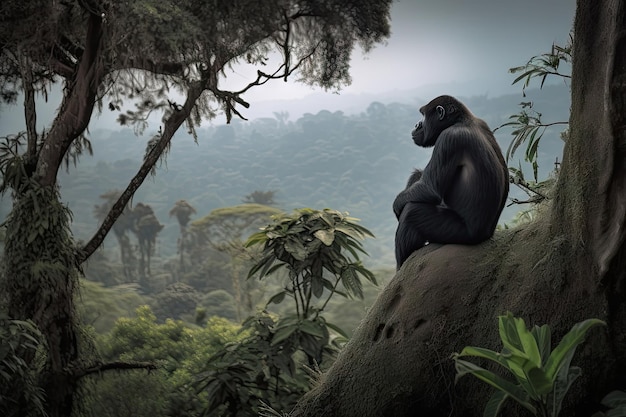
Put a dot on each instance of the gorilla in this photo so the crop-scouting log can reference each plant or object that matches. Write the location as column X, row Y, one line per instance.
column 459, row 195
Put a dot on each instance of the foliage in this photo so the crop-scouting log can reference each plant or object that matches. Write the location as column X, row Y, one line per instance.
column 121, row 227
column 179, row 349
column 311, row 245
column 183, row 212
column 615, row 403
column 260, row 197
column 217, row 303
column 146, row 228
column 262, row 368
column 319, row 249
column 223, row 226
column 222, row 230
column 545, row 65
column 542, row 377
column 100, row 307
column 38, row 266
column 177, row 301
column 527, row 124
column 144, row 54
column 19, row 338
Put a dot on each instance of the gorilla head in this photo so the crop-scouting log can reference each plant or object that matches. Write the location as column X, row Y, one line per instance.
column 439, row 114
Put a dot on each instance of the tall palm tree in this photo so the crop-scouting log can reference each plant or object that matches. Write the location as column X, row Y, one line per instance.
column 122, row 225
column 146, row 227
column 183, row 212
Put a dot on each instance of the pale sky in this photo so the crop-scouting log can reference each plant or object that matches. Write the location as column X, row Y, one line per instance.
column 472, row 43
column 468, row 45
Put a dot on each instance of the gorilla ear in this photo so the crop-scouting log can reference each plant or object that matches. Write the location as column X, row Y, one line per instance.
column 441, row 112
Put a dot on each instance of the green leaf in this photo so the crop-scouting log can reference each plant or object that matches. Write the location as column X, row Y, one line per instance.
column 264, row 264
column 517, row 339
column 277, row 298
column 312, row 327
column 544, row 341
column 619, row 411
column 513, row 391
column 326, row 236
column 317, row 286
column 296, row 249
column 283, row 334
column 484, row 353
column 564, row 381
column 562, row 354
column 539, row 382
column 614, row 399
column 310, row 345
column 495, row 403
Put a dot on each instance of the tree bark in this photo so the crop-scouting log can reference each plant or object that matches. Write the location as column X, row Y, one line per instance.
column 566, row 267
column 77, row 106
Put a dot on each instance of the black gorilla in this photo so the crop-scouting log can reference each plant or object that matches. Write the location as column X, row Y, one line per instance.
column 460, row 194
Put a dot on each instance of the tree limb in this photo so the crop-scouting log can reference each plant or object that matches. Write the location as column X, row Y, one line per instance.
column 171, row 125
column 30, row 112
column 76, row 108
column 111, row 366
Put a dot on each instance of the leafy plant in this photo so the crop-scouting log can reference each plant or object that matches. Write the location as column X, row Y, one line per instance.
column 615, row 402
column 527, row 124
column 319, row 249
column 259, row 369
column 541, row 66
column 542, row 378
column 18, row 338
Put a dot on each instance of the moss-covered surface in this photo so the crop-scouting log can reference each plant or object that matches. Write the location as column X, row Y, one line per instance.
column 444, row 298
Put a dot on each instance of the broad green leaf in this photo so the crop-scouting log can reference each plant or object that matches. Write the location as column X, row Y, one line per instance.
column 559, row 356
column 277, row 298
column 310, row 345
column 512, row 390
column 483, row 353
column 312, row 328
column 517, row 339
column 283, row 333
column 619, row 411
column 317, row 286
column 256, row 238
column 564, row 381
column 544, row 341
column 521, row 367
column 539, row 382
column 495, row 403
column 614, row 399
column 296, row 249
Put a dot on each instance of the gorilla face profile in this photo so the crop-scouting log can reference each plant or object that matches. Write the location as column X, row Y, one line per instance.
column 459, row 195
column 436, row 119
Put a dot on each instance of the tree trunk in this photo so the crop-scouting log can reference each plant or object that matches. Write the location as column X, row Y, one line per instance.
column 566, row 267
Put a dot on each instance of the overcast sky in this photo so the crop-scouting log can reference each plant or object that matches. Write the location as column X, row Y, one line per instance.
column 467, row 45
column 472, row 43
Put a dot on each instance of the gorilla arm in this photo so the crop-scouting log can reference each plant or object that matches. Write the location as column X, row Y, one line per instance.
column 439, row 174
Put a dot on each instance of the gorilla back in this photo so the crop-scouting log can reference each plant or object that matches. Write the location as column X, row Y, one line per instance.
column 462, row 190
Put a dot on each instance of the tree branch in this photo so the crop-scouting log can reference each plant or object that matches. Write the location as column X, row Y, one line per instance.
column 76, row 108
column 30, row 112
column 171, row 125
column 111, row 366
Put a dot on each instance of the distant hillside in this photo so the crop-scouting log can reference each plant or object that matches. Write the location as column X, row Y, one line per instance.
column 355, row 162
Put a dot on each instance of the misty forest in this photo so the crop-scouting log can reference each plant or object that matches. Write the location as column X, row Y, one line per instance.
column 186, row 261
